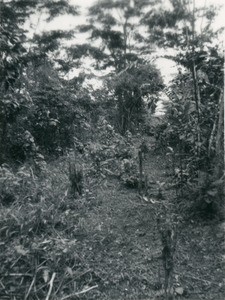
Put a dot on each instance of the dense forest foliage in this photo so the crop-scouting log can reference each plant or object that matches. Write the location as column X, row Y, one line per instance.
column 63, row 140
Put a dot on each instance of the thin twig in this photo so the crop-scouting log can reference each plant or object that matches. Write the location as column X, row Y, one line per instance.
column 30, row 288
column 32, row 174
column 50, row 286
column 81, row 292
column 2, row 285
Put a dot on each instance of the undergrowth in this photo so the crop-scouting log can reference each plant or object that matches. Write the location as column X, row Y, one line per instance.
column 100, row 243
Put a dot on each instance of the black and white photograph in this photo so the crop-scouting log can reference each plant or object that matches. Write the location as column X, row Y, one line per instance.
column 112, row 150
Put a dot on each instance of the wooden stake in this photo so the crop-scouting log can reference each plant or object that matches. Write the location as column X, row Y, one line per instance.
column 140, row 171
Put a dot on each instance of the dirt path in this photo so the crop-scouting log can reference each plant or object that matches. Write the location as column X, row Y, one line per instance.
column 107, row 244
column 121, row 244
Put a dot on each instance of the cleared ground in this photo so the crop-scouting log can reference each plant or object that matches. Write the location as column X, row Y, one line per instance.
column 107, row 245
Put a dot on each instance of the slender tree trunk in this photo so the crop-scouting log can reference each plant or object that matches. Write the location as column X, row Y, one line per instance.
column 212, row 137
column 120, row 112
column 219, row 157
column 140, row 158
column 2, row 111
column 197, row 95
column 197, row 98
column 3, row 130
column 125, row 42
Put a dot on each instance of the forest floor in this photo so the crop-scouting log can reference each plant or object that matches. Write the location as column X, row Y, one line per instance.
column 110, row 247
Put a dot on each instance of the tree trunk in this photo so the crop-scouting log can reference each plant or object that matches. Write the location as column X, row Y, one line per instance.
column 219, row 156
column 140, row 158
column 120, row 112
column 197, row 95
column 3, row 127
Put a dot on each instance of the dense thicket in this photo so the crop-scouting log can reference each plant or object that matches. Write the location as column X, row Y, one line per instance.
column 44, row 113
column 194, row 127
column 29, row 84
column 93, row 185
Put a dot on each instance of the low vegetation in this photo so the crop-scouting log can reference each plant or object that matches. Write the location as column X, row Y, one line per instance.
column 99, row 197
